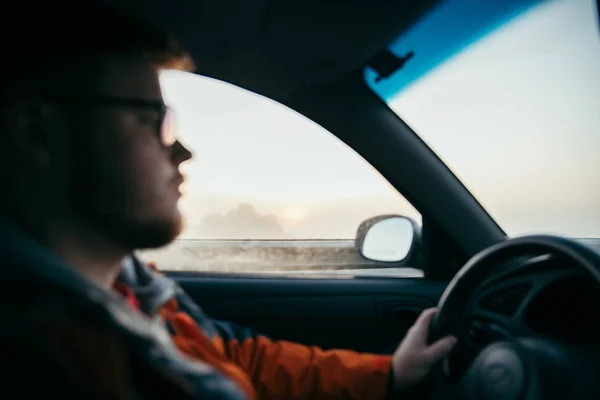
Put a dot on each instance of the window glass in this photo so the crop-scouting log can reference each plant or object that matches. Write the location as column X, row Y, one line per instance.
column 514, row 108
column 267, row 190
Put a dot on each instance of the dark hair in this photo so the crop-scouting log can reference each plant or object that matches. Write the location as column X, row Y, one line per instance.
column 50, row 34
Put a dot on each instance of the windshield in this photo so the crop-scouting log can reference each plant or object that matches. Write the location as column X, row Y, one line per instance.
column 507, row 93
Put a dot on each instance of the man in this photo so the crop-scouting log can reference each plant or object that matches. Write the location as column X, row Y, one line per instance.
column 90, row 170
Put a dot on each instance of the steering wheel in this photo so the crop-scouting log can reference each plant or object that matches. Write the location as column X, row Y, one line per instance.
column 512, row 361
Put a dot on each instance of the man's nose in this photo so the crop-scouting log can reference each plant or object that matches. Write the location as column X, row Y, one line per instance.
column 180, row 153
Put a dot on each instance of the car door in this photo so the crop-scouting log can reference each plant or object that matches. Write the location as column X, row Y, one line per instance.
column 282, row 221
column 366, row 314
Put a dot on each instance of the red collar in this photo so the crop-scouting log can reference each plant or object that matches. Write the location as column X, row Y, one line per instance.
column 128, row 294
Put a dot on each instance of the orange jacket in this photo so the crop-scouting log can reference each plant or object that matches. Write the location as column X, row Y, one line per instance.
column 264, row 369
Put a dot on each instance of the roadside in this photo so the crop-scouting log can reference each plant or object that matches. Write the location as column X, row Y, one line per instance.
column 282, row 257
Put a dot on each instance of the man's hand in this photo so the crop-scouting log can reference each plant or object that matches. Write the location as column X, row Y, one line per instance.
column 414, row 358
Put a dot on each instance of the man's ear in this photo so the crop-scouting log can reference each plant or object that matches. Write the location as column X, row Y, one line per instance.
column 29, row 124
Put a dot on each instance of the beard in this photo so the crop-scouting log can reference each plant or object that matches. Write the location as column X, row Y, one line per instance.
column 98, row 196
column 129, row 232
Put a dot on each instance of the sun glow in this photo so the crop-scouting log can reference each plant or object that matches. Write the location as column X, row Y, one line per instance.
column 295, row 214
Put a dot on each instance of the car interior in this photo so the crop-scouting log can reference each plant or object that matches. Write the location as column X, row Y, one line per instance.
column 522, row 308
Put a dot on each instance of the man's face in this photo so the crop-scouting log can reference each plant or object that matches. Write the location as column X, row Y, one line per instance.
column 124, row 181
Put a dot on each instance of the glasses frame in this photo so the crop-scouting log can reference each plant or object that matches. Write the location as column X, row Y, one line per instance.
column 165, row 129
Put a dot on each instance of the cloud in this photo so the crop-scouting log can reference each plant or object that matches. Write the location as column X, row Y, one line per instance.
column 241, row 222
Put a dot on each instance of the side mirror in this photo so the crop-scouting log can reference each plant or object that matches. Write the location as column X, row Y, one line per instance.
column 387, row 238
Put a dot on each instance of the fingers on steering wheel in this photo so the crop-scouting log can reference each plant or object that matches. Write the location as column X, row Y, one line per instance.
column 424, row 320
column 441, row 349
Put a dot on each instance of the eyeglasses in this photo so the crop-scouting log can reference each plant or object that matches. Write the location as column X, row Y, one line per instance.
column 166, row 129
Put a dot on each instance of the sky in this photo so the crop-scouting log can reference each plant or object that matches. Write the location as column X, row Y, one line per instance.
column 516, row 116
column 250, row 149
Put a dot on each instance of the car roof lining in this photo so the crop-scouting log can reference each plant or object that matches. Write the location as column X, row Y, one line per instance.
column 277, row 48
